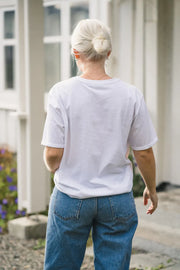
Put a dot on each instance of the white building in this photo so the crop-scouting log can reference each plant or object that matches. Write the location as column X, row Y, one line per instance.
column 35, row 53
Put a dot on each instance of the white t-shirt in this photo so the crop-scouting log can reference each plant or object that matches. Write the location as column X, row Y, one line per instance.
column 96, row 121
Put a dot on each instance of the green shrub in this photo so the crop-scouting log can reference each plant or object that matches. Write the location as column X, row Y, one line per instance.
column 8, row 187
column 138, row 183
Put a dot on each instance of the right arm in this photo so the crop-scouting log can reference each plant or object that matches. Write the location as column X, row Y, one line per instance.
column 146, row 164
column 52, row 158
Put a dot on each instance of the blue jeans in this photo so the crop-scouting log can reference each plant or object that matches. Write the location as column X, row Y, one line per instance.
column 113, row 221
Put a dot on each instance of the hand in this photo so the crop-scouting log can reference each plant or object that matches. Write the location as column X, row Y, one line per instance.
column 154, row 200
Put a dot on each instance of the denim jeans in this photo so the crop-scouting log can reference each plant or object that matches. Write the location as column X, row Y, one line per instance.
column 113, row 221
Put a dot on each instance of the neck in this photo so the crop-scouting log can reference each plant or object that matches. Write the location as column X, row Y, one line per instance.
column 94, row 70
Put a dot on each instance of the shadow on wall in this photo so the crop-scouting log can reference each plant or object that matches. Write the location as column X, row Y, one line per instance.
column 165, row 186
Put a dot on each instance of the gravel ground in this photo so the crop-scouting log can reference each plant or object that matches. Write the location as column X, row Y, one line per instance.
column 18, row 254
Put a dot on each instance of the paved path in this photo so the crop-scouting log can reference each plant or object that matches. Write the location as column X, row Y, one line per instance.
column 159, row 234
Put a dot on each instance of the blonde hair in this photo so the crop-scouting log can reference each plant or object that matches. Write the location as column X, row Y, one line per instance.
column 92, row 38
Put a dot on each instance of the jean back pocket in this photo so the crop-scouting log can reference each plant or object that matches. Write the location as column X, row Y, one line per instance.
column 65, row 207
column 122, row 206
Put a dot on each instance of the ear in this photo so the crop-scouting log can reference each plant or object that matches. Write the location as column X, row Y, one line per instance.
column 108, row 53
column 76, row 54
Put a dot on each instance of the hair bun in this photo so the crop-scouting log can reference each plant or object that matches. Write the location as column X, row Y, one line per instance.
column 92, row 38
column 100, row 45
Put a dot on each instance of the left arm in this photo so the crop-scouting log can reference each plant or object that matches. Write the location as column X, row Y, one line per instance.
column 52, row 158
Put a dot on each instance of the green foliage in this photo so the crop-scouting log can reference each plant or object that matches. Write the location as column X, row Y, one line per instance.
column 89, row 241
column 52, row 182
column 8, row 187
column 138, row 183
column 160, row 266
column 40, row 244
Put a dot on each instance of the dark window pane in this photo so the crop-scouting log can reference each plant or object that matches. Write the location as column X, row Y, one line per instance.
column 9, row 67
column 9, row 24
column 52, row 16
column 52, row 64
column 74, row 69
column 78, row 13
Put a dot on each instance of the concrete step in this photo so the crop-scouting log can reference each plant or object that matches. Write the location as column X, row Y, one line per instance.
column 28, row 227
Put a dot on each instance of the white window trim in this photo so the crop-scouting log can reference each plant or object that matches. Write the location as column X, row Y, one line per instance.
column 65, row 37
column 70, row 2
column 8, row 97
column 9, row 42
column 7, row 3
column 1, row 52
column 54, row 39
column 8, row 100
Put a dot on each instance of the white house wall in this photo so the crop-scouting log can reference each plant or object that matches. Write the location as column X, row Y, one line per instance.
column 138, row 69
column 124, row 32
column 127, row 23
column 150, row 59
column 8, row 129
column 169, row 90
column 31, row 179
column 151, row 92
column 175, row 95
column 165, row 44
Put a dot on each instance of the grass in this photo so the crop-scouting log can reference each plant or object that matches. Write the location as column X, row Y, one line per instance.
column 40, row 244
column 160, row 266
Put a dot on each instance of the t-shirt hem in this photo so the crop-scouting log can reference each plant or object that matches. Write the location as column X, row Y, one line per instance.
column 81, row 195
column 145, row 146
column 52, row 145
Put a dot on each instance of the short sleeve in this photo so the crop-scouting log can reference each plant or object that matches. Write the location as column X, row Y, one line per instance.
column 53, row 134
column 142, row 133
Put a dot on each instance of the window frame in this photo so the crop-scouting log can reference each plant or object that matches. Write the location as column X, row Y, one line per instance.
column 54, row 39
column 8, row 96
column 65, row 37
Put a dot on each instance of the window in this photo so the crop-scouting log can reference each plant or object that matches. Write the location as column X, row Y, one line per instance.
column 8, row 49
column 60, row 18
column 9, row 24
column 52, row 21
column 74, row 69
column 77, row 13
column 52, row 45
column 52, row 64
column 9, row 66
